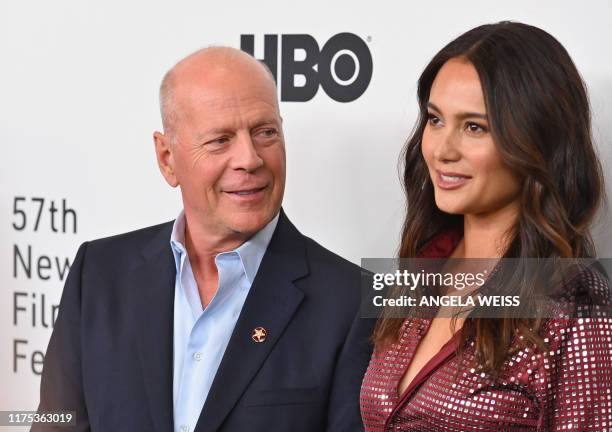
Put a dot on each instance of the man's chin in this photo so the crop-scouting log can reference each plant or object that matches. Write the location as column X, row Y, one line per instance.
column 249, row 224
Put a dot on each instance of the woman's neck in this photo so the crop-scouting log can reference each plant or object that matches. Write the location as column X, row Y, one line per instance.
column 487, row 235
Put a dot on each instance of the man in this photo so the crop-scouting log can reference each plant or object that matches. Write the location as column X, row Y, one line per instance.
column 228, row 318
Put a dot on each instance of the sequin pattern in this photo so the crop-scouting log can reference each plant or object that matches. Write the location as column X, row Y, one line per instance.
column 567, row 387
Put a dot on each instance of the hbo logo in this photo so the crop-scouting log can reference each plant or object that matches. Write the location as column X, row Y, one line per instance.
column 343, row 67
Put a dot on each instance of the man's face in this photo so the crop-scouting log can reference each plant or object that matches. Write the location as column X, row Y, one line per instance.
column 228, row 152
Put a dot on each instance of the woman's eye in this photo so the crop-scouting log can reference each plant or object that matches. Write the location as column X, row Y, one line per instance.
column 475, row 128
column 432, row 119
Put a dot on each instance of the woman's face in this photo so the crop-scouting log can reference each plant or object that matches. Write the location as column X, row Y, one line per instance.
column 464, row 165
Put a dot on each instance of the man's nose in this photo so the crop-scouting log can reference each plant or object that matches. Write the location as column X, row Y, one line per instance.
column 447, row 147
column 245, row 154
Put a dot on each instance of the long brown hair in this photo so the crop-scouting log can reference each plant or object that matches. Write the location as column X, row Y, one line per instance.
column 540, row 120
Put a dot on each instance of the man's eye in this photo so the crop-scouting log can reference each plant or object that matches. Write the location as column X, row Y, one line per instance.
column 268, row 133
column 218, row 141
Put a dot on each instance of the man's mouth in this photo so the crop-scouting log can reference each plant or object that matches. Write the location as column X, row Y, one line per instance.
column 247, row 194
column 247, row 191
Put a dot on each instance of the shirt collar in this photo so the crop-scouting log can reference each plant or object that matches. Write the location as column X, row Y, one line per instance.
column 250, row 252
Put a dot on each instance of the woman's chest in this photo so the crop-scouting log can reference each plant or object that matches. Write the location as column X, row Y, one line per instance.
column 448, row 393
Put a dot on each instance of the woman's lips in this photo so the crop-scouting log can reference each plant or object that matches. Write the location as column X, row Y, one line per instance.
column 451, row 180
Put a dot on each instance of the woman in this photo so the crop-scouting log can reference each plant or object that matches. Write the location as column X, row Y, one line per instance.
column 501, row 165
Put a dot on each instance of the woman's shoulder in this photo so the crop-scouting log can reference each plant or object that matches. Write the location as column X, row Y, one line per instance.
column 583, row 314
column 581, row 290
column 590, row 279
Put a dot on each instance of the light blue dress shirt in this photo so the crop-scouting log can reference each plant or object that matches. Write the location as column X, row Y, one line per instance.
column 202, row 335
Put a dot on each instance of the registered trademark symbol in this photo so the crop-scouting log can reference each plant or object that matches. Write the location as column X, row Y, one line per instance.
column 369, row 38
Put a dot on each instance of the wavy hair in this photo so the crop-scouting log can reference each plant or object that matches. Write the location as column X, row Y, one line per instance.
column 539, row 116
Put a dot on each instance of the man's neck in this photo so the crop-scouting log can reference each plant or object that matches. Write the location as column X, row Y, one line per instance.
column 202, row 248
column 202, row 244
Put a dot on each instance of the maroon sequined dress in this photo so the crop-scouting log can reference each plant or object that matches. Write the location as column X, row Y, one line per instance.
column 568, row 387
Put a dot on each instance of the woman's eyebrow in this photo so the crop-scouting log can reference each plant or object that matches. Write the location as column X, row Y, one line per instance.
column 460, row 116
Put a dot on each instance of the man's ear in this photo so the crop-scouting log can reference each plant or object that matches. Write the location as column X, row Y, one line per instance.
column 165, row 157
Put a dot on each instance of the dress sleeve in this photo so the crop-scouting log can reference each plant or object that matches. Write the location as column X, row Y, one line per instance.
column 579, row 391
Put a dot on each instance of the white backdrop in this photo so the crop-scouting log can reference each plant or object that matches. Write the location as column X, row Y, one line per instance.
column 78, row 106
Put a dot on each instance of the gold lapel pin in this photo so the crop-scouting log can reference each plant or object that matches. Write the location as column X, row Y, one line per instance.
column 259, row 334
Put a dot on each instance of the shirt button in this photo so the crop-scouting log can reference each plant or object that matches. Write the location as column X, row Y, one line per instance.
column 184, row 428
column 197, row 357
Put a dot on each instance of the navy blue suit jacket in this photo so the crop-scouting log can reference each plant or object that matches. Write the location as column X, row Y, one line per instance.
column 110, row 354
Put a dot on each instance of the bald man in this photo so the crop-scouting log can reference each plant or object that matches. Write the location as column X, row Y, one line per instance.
column 227, row 318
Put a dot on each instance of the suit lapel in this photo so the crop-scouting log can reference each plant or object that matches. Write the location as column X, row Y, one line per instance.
column 271, row 303
column 151, row 285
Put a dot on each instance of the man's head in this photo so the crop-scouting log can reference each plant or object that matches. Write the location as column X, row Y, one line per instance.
column 223, row 142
